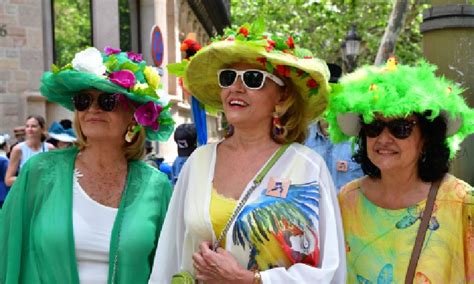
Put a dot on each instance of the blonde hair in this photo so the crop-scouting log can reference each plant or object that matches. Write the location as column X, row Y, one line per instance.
column 296, row 116
column 132, row 151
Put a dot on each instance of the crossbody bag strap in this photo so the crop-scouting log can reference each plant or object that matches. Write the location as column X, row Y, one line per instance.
column 420, row 236
column 249, row 192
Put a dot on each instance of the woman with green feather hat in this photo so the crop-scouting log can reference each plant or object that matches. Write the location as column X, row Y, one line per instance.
column 92, row 213
column 407, row 219
column 257, row 207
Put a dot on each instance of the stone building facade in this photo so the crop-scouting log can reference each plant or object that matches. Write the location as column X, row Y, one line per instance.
column 27, row 50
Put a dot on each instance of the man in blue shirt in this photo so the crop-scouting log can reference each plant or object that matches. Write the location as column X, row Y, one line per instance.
column 338, row 157
column 185, row 137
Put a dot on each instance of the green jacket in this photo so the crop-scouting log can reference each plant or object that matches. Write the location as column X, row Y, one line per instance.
column 36, row 230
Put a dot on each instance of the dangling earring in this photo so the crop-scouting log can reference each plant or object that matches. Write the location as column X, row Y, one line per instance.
column 279, row 131
column 229, row 131
column 423, row 157
column 131, row 132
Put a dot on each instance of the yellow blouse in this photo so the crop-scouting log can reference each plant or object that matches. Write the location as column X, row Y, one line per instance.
column 221, row 208
column 379, row 241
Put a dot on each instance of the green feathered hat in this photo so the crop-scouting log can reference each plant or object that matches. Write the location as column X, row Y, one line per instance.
column 250, row 44
column 114, row 72
column 397, row 91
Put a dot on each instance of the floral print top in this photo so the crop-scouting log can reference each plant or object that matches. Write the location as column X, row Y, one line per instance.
column 379, row 241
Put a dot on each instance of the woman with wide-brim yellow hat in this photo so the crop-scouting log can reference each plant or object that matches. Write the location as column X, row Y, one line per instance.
column 258, row 206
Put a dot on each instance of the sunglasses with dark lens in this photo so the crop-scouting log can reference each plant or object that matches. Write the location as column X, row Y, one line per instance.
column 105, row 101
column 253, row 79
column 399, row 128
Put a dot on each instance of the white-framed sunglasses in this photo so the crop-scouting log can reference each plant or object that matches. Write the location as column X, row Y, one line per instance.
column 252, row 78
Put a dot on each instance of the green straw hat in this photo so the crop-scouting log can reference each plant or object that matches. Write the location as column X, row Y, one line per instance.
column 248, row 43
column 114, row 72
column 397, row 91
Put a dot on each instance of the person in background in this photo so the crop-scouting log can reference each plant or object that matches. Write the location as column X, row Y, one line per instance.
column 186, row 139
column 408, row 124
column 19, row 133
column 3, row 167
column 35, row 143
column 338, row 157
column 287, row 226
column 150, row 157
column 61, row 136
column 92, row 213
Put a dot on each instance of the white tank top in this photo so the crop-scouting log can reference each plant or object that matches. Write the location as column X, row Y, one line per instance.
column 27, row 152
column 92, row 223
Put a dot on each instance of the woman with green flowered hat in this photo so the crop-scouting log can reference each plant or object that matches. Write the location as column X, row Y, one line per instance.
column 256, row 207
column 92, row 213
column 407, row 220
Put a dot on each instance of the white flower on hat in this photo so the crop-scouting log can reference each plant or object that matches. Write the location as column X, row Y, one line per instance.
column 89, row 61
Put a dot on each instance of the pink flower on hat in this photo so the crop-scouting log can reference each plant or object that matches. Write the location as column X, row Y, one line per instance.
column 123, row 78
column 137, row 57
column 147, row 115
column 109, row 50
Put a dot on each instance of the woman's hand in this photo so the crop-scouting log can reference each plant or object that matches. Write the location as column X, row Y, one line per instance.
column 219, row 267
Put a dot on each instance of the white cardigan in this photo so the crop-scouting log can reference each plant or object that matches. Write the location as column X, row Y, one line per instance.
column 188, row 223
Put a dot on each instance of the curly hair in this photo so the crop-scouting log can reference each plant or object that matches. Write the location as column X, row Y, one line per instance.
column 433, row 163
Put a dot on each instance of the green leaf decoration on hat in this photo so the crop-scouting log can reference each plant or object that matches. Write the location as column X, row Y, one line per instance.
column 249, row 43
column 398, row 91
column 114, row 72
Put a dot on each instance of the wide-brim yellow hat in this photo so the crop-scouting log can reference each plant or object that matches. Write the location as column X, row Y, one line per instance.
column 248, row 44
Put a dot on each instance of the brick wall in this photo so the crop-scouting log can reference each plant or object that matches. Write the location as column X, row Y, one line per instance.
column 21, row 59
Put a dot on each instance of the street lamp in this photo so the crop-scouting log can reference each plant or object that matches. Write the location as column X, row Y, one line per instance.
column 350, row 49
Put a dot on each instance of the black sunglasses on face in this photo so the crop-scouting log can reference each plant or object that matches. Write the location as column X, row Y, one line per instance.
column 105, row 101
column 399, row 128
column 252, row 78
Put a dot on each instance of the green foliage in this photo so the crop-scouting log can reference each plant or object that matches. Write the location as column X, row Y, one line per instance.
column 125, row 28
column 321, row 25
column 72, row 29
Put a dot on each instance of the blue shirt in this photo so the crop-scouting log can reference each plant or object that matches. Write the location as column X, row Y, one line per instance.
column 338, row 157
column 3, row 170
column 177, row 166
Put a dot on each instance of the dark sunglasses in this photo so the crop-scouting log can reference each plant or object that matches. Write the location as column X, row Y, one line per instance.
column 252, row 78
column 399, row 128
column 105, row 101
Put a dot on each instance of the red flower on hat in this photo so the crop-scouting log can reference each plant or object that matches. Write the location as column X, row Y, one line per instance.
column 244, row 31
column 262, row 60
column 271, row 45
column 290, row 42
column 190, row 44
column 283, row 70
column 299, row 72
column 307, row 57
column 311, row 83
